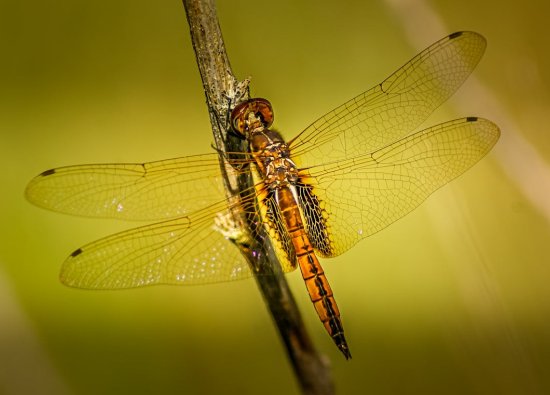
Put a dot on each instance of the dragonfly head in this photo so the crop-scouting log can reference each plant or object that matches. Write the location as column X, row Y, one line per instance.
column 251, row 115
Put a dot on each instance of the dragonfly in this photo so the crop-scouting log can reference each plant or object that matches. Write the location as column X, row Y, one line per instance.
column 348, row 175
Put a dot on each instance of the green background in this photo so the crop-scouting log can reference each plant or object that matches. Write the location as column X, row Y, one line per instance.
column 452, row 299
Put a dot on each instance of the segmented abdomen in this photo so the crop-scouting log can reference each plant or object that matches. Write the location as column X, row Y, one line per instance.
column 314, row 277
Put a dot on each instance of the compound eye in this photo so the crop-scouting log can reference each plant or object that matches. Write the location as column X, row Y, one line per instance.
column 242, row 119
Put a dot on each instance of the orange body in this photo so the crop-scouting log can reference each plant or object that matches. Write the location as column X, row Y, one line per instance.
column 314, row 277
column 281, row 178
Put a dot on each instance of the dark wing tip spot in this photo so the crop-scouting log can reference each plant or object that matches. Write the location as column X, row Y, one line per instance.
column 47, row 173
column 471, row 119
column 76, row 253
column 454, row 35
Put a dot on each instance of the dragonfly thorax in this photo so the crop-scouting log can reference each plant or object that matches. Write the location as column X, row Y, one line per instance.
column 252, row 119
column 280, row 172
column 273, row 158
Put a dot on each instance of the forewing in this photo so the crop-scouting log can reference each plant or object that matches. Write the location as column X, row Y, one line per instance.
column 187, row 250
column 131, row 191
column 362, row 195
column 394, row 108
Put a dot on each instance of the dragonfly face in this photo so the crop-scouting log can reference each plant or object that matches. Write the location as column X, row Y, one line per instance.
column 252, row 114
column 348, row 175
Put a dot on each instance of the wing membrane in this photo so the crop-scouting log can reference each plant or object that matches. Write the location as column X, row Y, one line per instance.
column 358, row 171
column 131, row 191
column 395, row 107
column 187, row 250
column 362, row 195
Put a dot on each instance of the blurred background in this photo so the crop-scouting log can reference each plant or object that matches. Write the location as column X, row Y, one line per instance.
column 452, row 299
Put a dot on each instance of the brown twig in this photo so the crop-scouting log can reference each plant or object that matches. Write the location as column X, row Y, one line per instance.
column 223, row 91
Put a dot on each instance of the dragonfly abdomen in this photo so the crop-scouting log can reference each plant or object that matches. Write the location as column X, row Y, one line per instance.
column 312, row 272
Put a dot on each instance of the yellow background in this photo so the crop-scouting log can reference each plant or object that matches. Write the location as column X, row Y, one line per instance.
column 452, row 299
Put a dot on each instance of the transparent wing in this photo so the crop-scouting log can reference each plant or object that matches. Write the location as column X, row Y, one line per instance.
column 362, row 195
column 395, row 107
column 131, row 191
column 187, row 250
